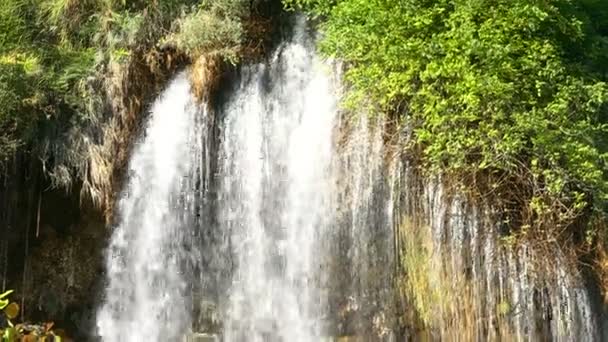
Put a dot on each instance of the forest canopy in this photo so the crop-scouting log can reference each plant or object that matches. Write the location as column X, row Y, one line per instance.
column 515, row 88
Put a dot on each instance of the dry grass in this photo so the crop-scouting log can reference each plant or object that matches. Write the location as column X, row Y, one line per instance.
column 204, row 76
column 98, row 151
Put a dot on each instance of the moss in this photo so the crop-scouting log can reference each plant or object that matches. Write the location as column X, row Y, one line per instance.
column 443, row 299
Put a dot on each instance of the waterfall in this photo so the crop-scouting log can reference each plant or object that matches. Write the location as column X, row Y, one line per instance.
column 274, row 216
column 274, row 194
column 466, row 283
column 145, row 295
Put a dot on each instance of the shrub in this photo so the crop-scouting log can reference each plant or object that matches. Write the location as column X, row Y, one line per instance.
column 514, row 89
column 214, row 28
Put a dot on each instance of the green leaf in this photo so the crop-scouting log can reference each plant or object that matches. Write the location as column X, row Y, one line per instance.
column 3, row 300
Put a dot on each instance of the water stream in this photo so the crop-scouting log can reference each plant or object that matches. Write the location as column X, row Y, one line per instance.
column 277, row 217
column 274, row 194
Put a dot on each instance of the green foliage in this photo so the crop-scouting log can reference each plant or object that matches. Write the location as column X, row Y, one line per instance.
column 11, row 332
column 3, row 300
column 9, row 311
column 40, row 67
column 509, row 86
column 315, row 7
column 213, row 28
column 16, row 120
column 57, row 55
column 9, row 335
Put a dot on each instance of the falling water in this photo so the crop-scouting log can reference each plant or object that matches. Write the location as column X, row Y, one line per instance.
column 475, row 286
column 274, row 216
column 145, row 295
column 275, row 194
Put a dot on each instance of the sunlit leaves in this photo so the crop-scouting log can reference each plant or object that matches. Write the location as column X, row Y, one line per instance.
column 488, row 85
column 4, row 299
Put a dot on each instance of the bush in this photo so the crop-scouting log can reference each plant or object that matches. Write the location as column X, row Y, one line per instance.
column 214, row 28
column 509, row 88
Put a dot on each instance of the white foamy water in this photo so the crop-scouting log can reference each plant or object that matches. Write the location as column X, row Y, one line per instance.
column 274, row 194
column 145, row 294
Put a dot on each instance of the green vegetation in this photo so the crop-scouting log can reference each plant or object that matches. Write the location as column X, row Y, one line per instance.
column 215, row 28
column 10, row 332
column 7, row 312
column 512, row 90
column 441, row 296
column 4, row 302
column 75, row 73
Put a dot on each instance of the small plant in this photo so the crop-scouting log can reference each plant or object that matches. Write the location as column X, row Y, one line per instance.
column 10, row 311
column 10, row 332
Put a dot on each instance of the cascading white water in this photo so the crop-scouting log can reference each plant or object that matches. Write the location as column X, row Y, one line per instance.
column 145, row 296
column 293, row 220
column 274, row 196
